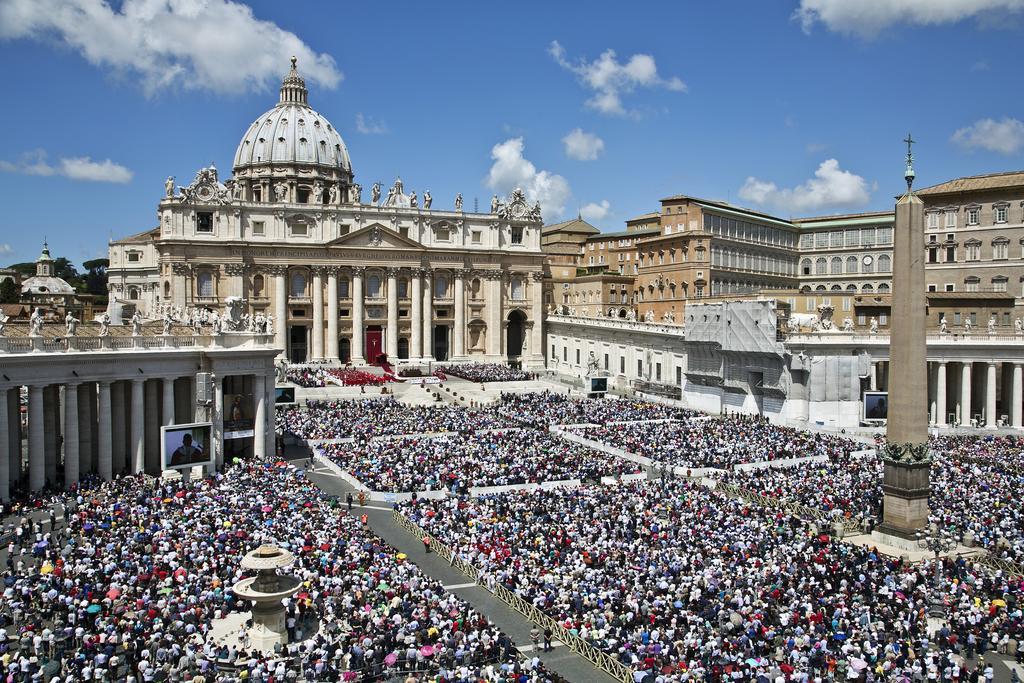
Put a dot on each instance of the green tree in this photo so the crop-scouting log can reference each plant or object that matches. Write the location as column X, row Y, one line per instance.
column 96, row 276
column 10, row 293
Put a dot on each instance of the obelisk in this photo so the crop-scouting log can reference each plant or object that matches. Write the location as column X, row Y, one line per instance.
column 907, row 462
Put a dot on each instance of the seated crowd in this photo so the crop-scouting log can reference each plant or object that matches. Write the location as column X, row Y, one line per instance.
column 130, row 587
column 459, row 461
column 683, row 583
column 545, row 408
column 487, row 372
column 306, row 376
column 700, row 441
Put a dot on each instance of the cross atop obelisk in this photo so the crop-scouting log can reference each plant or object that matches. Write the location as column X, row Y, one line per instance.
column 907, row 462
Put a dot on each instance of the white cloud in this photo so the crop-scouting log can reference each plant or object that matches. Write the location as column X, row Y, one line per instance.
column 1006, row 136
column 6, row 249
column 611, row 79
column 75, row 168
column 511, row 170
column 215, row 45
column 831, row 187
column 595, row 211
column 867, row 17
column 368, row 126
column 582, row 146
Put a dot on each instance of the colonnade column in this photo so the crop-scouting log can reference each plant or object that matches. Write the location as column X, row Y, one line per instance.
column 259, row 440
column 428, row 315
column 5, row 447
column 494, row 314
column 460, row 314
column 280, row 309
column 71, row 453
column 1017, row 394
column 105, row 441
column 416, row 315
column 36, row 456
column 151, row 428
column 218, row 422
column 358, row 324
column 874, row 376
column 391, row 343
column 138, row 427
column 940, row 394
column 117, row 409
column 51, row 415
column 537, row 340
column 965, row 393
column 14, row 433
column 332, row 313
column 990, row 397
column 318, row 313
column 168, row 403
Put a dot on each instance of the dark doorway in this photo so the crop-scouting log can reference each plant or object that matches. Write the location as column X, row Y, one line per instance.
column 297, row 343
column 374, row 343
column 441, row 342
column 344, row 349
column 403, row 347
column 515, row 334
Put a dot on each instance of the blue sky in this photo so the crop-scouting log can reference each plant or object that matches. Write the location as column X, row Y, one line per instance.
column 795, row 107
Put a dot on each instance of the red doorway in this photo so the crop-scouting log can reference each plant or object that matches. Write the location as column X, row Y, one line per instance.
column 374, row 343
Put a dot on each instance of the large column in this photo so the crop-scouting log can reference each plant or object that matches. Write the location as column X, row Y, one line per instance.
column 105, row 438
column 874, row 375
column 965, row 394
column 932, row 394
column 259, row 441
column 940, row 393
column 119, row 417
column 5, row 448
column 218, row 422
column 990, row 397
column 428, row 316
column 270, row 440
column 460, row 314
column 391, row 343
column 1016, row 395
column 51, row 414
column 358, row 324
column 318, row 313
column 36, row 429
column 14, row 433
column 494, row 327
column 138, row 426
column 332, row 313
column 71, row 464
column 151, row 426
column 537, row 301
column 416, row 315
column 280, row 273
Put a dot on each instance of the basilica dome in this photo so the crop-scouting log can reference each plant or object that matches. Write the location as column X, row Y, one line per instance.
column 293, row 134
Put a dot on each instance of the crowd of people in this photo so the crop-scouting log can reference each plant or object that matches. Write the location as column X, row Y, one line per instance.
column 458, row 461
column 487, row 372
column 695, row 441
column 544, row 408
column 129, row 587
column 308, row 377
column 381, row 417
column 681, row 582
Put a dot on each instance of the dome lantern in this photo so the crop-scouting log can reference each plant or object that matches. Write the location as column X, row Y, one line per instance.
column 293, row 87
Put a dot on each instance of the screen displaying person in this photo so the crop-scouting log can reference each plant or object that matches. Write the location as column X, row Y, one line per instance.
column 878, row 408
column 187, row 452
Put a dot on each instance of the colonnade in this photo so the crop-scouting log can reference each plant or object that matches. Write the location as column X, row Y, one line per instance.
column 969, row 392
column 110, row 427
column 413, row 315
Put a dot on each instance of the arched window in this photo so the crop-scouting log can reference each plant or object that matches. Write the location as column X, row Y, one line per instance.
column 884, row 263
column 837, row 265
column 133, row 293
column 867, row 288
column 343, row 288
column 820, row 267
column 883, row 288
column 805, row 266
column 441, row 286
column 851, row 264
column 257, row 285
column 373, row 286
column 298, row 284
column 204, row 283
column 851, row 288
column 820, row 288
column 167, row 290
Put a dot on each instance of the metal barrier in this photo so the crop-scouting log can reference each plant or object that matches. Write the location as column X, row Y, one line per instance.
column 1006, row 566
column 850, row 526
column 580, row 646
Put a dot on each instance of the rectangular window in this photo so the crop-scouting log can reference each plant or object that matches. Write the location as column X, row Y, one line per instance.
column 950, row 254
column 950, row 287
column 517, row 234
column 299, row 228
column 1001, row 214
column 258, row 228
column 821, row 240
column 931, row 288
column 862, row 319
column 1001, row 250
column 950, row 219
column 477, row 237
column 933, row 220
column 972, row 216
column 679, row 375
column 577, row 356
column 622, row 365
column 883, row 319
column 639, row 367
column 956, row 318
column 933, row 255
column 973, row 252
column 837, row 238
column 606, row 361
column 999, row 284
column 565, row 353
column 133, row 256
column 867, row 237
column 552, row 350
column 884, row 235
column 343, row 229
column 657, row 372
column 852, row 238
column 204, row 221
column 974, row 318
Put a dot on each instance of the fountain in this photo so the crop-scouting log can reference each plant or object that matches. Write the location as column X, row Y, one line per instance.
column 266, row 590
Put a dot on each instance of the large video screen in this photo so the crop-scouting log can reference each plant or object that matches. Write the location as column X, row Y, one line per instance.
column 187, row 445
column 284, row 396
column 598, row 385
column 238, row 416
column 876, row 405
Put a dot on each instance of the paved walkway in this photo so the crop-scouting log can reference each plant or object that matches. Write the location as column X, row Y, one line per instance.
column 561, row 660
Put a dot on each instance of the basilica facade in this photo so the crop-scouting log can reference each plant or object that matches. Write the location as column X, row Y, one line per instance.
column 340, row 276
